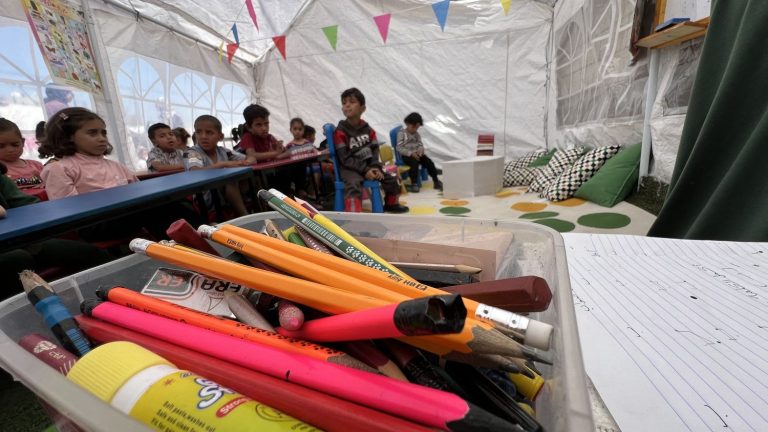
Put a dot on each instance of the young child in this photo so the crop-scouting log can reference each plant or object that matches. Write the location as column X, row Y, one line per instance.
column 299, row 142
column 25, row 173
column 78, row 137
column 358, row 152
column 208, row 154
column 164, row 156
column 182, row 138
column 412, row 151
column 324, row 163
column 261, row 146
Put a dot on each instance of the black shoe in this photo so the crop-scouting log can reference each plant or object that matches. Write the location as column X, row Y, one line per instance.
column 413, row 188
column 395, row 208
column 438, row 185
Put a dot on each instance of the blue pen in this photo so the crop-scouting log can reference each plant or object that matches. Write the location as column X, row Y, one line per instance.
column 55, row 315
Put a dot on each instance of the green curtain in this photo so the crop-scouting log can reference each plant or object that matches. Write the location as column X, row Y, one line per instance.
column 719, row 187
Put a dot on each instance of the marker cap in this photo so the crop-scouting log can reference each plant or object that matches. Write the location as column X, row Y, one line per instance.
column 104, row 370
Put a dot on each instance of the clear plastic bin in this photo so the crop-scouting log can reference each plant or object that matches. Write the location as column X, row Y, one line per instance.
column 563, row 405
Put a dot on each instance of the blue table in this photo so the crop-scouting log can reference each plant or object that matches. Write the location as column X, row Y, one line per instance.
column 42, row 220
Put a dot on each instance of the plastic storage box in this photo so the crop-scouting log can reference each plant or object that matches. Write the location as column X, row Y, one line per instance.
column 563, row 405
column 480, row 175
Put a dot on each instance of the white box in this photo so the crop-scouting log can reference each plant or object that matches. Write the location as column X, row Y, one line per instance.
column 480, row 175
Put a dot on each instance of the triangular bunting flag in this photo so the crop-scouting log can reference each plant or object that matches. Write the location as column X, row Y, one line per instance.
column 382, row 22
column 221, row 51
column 331, row 33
column 234, row 32
column 280, row 44
column 505, row 5
column 231, row 48
column 441, row 12
column 252, row 13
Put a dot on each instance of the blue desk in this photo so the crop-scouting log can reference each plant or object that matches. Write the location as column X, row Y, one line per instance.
column 42, row 220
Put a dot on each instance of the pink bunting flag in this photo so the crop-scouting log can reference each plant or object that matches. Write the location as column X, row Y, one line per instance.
column 280, row 44
column 231, row 48
column 252, row 13
column 382, row 22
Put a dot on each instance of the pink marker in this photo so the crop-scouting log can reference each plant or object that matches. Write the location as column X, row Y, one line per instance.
column 423, row 405
column 289, row 315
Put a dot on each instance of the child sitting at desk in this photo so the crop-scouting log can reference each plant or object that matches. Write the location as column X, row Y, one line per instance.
column 261, row 146
column 208, row 154
column 25, row 173
column 357, row 151
column 78, row 137
column 411, row 149
column 165, row 155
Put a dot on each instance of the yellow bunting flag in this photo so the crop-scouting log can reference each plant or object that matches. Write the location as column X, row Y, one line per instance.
column 505, row 4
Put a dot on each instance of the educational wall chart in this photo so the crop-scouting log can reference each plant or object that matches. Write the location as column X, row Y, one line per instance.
column 61, row 33
column 674, row 332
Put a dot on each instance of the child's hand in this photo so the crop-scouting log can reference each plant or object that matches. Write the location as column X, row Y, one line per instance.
column 2, row 212
column 375, row 174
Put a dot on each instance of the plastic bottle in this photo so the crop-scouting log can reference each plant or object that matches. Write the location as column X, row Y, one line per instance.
column 152, row 390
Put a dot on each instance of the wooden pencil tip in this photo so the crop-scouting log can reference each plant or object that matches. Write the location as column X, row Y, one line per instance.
column 30, row 280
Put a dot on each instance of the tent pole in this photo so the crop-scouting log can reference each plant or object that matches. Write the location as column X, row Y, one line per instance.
column 650, row 99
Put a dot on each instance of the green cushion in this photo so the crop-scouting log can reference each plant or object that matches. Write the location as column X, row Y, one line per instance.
column 615, row 180
column 543, row 160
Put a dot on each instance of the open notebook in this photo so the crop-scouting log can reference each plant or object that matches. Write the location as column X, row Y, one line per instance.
column 674, row 332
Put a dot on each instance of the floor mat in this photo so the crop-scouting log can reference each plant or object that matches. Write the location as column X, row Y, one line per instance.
column 572, row 215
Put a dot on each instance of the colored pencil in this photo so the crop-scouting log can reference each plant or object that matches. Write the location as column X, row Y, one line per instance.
column 535, row 333
column 294, row 260
column 246, row 313
column 415, row 367
column 519, row 294
column 272, row 230
column 290, row 316
column 48, row 352
column 312, row 242
column 453, row 268
column 295, row 238
column 370, row 354
column 479, row 338
column 183, row 233
column 423, row 405
column 416, row 317
column 54, row 313
column 319, row 409
column 134, row 300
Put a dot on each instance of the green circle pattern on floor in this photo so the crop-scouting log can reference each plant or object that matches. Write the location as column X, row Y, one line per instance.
column 605, row 220
column 557, row 224
column 454, row 210
column 538, row 215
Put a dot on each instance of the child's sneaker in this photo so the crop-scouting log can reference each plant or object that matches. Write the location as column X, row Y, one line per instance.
column 438, row 185
column 413, row 188
column 395, row 208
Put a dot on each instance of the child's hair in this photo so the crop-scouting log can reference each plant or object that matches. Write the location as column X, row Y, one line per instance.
column 309, row 131
column 212, row 119
column 253, row 111
column 9, row 126
column 297, row 120
column 235, row 134
column 40, row 131
column 414, row 118
column 358, row 95
column 3, row 169
column 62, row 126
column 154, row 128
column 181, row 134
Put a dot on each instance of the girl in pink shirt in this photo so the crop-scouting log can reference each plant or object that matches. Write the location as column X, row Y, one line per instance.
column 78, row 137
column 25, row 173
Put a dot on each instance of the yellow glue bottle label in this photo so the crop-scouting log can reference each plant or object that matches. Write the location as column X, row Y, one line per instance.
column 183, row 401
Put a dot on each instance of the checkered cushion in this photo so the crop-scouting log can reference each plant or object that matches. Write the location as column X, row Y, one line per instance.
column 519, row 176
column 560, row 161
column 565, row 185
column 523, row 161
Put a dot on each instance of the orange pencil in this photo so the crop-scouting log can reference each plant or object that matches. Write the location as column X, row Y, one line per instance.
column 144, row 303
column 534, row 333
column 329, row 299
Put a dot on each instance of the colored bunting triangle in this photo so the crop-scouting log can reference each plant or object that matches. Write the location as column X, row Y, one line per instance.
column 231, row 48
column 252, row 13
column 280, row 44
column 234, row 32
column 505, row 5
column 331, row 33
column 382, row 22
column 221, row 51
column 441, row 12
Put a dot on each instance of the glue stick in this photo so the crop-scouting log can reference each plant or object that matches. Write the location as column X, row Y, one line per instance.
column 152, row 390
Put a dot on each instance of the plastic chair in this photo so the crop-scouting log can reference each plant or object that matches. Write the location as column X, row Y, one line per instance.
column 387, row 155
column 399, row 159
column 377, row 206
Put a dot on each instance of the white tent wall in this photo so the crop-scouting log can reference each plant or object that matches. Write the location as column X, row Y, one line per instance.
column 598, row 98
column 486, row 73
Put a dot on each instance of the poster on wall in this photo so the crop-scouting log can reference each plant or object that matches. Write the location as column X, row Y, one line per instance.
column 62, row 35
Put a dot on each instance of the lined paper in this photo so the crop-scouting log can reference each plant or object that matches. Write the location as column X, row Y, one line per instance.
column 674, row 332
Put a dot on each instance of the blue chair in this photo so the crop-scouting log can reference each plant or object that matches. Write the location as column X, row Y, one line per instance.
column 377, row 206
column 399, row 159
